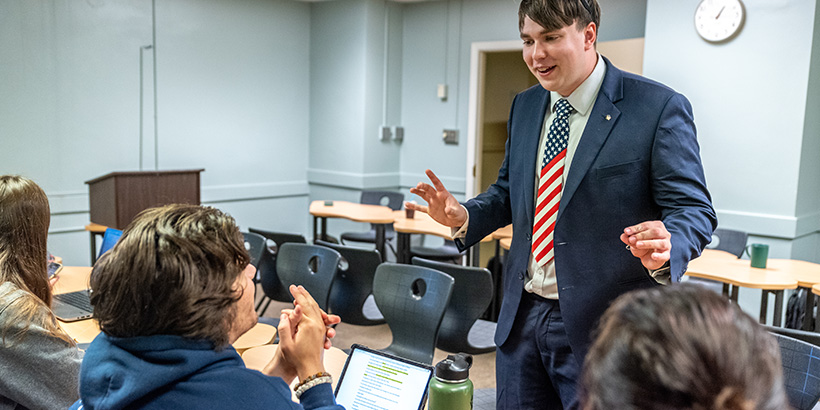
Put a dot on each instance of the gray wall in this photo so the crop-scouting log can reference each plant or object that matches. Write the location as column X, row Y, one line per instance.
column 281, row 101
column 233, row 81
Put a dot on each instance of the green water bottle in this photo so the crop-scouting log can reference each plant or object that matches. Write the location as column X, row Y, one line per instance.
column 451, row 388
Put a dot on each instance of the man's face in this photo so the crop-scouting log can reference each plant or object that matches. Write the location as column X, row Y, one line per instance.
column 559, row 59
column 245, row 313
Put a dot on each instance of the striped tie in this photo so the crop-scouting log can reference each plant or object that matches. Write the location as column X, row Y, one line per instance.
column 550, row 184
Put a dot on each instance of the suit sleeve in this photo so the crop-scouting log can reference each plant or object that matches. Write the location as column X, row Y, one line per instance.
column 679, row 185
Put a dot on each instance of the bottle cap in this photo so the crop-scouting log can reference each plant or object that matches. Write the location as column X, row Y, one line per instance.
column 455, row 367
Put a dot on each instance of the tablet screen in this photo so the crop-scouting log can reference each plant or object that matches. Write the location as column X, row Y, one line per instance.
column 374, row 380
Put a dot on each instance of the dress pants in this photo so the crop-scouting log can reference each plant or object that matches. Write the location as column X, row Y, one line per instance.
column 535, row 367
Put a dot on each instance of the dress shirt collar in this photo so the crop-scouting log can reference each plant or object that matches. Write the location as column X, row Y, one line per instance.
column 584, row 96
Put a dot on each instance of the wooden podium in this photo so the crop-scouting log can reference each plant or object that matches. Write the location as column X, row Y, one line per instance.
column 116, row 198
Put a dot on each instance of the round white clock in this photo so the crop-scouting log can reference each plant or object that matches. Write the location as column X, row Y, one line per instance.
column 719, row 20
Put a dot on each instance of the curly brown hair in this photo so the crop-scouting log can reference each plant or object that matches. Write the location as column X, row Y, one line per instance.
column 681, row 347
column 172, row 272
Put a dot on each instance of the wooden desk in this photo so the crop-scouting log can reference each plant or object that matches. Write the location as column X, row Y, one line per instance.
column 423, row 224
column 94, row 230
column 258, row 357
column 737, row 273
column 807, row 275
column 505, row 243
column 374, row 214
column 74, row 278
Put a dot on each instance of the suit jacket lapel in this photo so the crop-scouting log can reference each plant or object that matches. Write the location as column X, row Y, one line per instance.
column 602, row 119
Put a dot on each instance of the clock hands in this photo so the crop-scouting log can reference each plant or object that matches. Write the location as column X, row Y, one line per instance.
column 720, row 12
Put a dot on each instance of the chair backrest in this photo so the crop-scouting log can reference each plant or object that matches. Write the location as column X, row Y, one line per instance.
column 268, row 278
column 801, row 376
column 255, row 244
column 729, row 240
column 390, row 199
column 311, row 266
column 110, row 238
column 354, row 283
column 472, row 294
column 413, row 300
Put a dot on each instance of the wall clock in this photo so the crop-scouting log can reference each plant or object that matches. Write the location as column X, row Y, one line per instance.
column 719, row 20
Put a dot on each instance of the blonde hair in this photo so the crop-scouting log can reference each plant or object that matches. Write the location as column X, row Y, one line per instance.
column 24, row 220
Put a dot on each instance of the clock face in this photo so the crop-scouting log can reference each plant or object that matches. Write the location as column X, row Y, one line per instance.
column 718, row 20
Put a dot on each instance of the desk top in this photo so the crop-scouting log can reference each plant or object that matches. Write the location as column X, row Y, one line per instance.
column 501, row 233
column 816, row 289
column 258, row 357
column 74, row 278
column 424, row 224
column 375, row 214
column 95, row 228
column 715, row 265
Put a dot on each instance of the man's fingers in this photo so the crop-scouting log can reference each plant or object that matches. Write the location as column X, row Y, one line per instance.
column 434, row 179
column 657, row 244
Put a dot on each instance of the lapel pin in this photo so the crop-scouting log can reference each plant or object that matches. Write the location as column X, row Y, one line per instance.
column 608, row 117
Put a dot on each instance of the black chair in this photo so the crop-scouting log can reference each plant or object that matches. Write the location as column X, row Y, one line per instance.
column 727, row 240
column 445, row 253
column 413, row 300
column 311, row 266
column 801, row 371
column 806, row 336
column 255, row 244
column 272, row 287
column 392, row 200
column 351, row 295
column 461, row 329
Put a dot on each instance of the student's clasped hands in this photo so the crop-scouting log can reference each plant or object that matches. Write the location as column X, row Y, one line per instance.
column 304, row 332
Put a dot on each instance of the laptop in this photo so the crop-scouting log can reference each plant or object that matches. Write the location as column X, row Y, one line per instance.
column 74, row 306
column 375, row 380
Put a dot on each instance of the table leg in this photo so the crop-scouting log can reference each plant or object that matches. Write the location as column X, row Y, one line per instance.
column 476, row 255
column 734, row 291
column 764, row 306
column 809, row 309
column 93, row 247
column 726, row 290
column 380, row 240
column 315, row 228
column 402, row 247
column 778, row 308
column 324, row 229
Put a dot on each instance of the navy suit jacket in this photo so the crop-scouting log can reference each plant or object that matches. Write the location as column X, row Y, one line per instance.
column 637, row 160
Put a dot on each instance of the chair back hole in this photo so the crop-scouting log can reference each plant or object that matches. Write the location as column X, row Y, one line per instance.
column 715, row 242
column 343, row 264
column 419, row 288
column 313, row 264
column 247, row 246
column 271, row 246
column 384, row 201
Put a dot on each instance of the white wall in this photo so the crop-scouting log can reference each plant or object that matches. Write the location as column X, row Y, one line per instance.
column 233, row 98
column 753, row 111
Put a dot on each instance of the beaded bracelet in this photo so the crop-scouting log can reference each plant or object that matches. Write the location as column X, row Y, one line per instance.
column 315, row 380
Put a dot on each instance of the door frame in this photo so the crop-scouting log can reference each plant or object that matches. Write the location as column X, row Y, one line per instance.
column 475, row 111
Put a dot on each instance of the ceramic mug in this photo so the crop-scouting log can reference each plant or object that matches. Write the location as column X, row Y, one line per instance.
column 758, row 253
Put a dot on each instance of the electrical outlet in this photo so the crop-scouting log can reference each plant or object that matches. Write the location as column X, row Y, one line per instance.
column 398, row 134
column 450, row 136
column 384, row 133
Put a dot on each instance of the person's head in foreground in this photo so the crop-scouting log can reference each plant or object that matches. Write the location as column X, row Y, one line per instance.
column 170, row 298
column 681, row 347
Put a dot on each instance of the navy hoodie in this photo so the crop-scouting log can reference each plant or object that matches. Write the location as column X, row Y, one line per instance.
column 171, row 372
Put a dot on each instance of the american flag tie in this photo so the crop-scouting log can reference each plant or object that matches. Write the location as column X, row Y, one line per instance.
column 550, row 184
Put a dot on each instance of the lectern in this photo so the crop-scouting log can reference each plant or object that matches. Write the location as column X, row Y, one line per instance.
column 116, row 198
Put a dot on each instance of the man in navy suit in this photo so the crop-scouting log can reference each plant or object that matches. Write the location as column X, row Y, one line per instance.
column 621, row 201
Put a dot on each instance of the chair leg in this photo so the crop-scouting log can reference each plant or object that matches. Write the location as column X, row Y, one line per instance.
column 262, row 312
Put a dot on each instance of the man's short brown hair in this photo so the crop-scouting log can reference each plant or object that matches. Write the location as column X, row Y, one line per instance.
column 173, row 273
column 557, row 14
